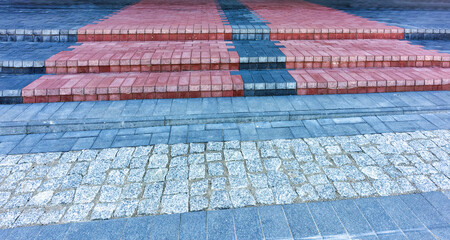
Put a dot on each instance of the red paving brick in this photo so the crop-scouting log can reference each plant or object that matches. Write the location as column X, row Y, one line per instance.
column 360, row 80
column 359, row 53
column 300, row 20
column 96, row 57
column 125, row 86
column 160, row 20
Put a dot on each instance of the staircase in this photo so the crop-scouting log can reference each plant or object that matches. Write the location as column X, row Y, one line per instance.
column 228, row 48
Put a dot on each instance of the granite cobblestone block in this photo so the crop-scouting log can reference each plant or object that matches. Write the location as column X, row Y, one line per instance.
column 178, row 178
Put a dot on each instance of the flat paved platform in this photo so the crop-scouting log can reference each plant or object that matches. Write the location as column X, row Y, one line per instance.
column 42, row 127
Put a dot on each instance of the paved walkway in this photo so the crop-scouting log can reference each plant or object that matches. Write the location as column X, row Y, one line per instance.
column 123, row 182
column 413, row 216
column 421, row 20
column 50, row 20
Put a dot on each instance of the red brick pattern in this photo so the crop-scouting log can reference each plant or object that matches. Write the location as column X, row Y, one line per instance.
column 160, row 20
column 97, row 57
column 300, row 20
column 359, row 53
column 341, row 81
column 125, row 86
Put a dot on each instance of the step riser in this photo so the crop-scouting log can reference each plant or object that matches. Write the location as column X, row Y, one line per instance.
column 126, row 86
column 273, row 65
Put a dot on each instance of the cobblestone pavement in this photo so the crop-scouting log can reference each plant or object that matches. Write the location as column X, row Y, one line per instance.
column 123, row 182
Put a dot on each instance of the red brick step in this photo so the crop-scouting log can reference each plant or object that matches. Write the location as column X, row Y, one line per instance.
column 125, row 86
column 370, row 80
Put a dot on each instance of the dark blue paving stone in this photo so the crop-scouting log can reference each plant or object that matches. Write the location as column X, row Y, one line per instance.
column 259, row 81
column 11, row 100
column 300, row 221
column 274, row 133
column 300, row 132
column 11, row 86
column 391, row 236
column 274, row 222
column 81, row 134
column 105, row 138
column 376, row 124
column 247, row 224
column 248, row 131
column 138, row 228
column 52, row 14
column 441, row 232
column 326, row 220
column 193, row 225
column 400, row 213
column 205, row 136
column 442, row 46
column 440, row 202
column 407, row 126
column 220, row 225
column 47, row 111
column 53, row 232
column 231, row 134
column 352, row 219
column 160, row 138
column 6, row 147
column 58, row 145
column 131, row 140
column 82, row 109
column 259, row 55
column 426, row 213
column 83, row 143
column 245, row 24
column 4, row 233
column 30, row 51
column 314, row 128
column 23, row 233
column 341, row 130
column 166, row 227
column 375, row 215
column 419, row 235
column 106, row 229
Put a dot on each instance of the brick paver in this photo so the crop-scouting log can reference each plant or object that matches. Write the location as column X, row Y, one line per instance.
column 160, row 21
column 289, row 20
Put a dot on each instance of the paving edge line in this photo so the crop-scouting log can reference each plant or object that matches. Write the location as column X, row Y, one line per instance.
column 64, row 125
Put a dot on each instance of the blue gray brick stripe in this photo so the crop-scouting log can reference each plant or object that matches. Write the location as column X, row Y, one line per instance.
column 11, row 86
column 50, row 20
column 244, row 23
column 61, row 140
column 267, row 83
column 69, row 126
column 412, row 216
column 251, row 39
column 72, row 116
column 420, row 20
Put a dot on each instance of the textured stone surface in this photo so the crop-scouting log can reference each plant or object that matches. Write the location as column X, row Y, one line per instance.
column 84, row 185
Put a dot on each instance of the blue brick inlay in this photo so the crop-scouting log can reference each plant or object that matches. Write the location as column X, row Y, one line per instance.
column 267, row 83
column 245, row 24
column 422, row 20
column 50, row 20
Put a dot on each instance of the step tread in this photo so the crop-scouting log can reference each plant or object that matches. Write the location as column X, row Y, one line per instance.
column 191, row 84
